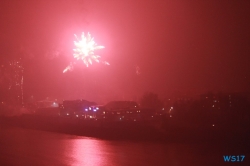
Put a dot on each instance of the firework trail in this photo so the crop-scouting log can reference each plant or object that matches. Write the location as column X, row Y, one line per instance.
column 137, row 70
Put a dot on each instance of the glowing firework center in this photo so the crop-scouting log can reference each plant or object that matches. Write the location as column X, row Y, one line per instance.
column 85, row 49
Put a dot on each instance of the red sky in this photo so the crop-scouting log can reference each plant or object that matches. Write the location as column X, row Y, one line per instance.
column 180, row 46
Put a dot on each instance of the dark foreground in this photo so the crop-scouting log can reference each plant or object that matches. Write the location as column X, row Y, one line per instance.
column 71, row 142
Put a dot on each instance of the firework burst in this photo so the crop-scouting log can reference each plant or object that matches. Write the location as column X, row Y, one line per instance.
column 84, row 51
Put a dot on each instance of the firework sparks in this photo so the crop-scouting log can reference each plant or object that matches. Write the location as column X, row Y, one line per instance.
column 85, row 49
column 106, row 63
column 12, row 80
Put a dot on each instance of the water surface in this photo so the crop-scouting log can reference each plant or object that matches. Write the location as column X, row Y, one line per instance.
column 21, row 147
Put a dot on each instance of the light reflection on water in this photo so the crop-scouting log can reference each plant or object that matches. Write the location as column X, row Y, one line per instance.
column 30, row 147
column 87, row 151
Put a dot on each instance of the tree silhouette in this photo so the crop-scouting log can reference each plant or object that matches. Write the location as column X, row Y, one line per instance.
column 151, row 100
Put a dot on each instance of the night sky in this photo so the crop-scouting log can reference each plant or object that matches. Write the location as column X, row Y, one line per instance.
column 181, row 47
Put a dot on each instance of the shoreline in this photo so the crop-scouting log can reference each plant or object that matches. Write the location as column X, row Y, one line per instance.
column 141, row 131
